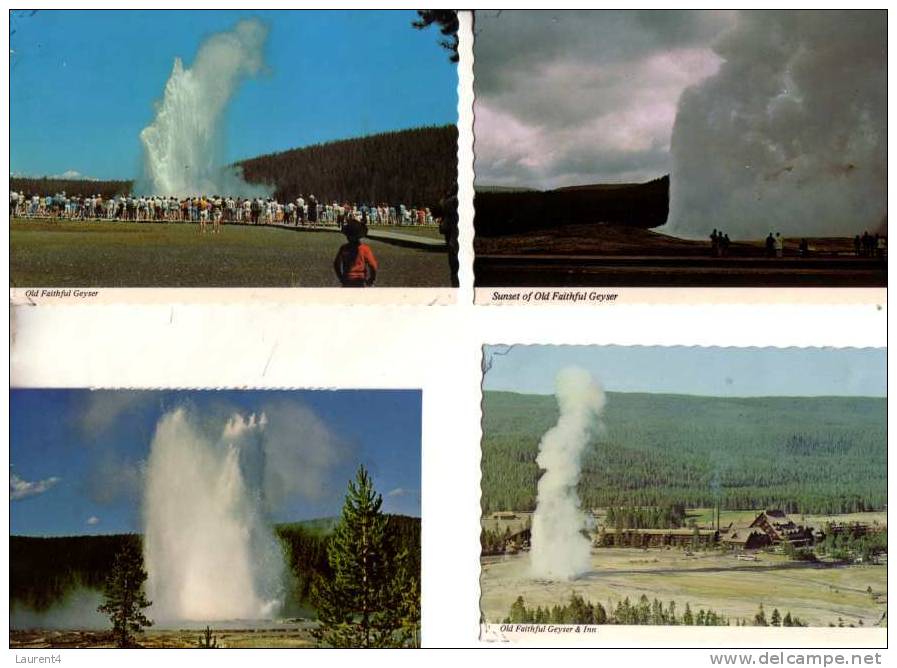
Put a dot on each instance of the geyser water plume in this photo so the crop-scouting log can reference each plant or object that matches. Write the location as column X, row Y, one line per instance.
column 560, row 550
column 183, row 148
column 210, row 551
column 790, row 135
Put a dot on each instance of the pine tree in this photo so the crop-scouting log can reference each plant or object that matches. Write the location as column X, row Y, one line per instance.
column 207, row 640
column 124, row 599
column 518, row 611
column 363, row 603
column 776, row 618
column 447, row 20
column 407, row 586
column 760, row 617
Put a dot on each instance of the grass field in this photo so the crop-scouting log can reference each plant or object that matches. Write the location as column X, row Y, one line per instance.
column 428, row 231
column 117, row 254
column 818, row 594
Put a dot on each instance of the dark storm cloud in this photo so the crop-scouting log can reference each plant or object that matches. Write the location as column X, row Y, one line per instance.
column 583, row 95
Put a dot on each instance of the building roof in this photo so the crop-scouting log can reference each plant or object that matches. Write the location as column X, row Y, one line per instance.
column 666, row 532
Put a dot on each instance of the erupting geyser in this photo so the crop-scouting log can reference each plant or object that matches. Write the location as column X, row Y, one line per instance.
column 790, row 135
column 183, row 148
column 210, row 551
column 560, row 550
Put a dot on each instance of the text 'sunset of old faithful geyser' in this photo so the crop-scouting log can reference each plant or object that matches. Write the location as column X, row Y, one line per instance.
column 559, row 549
column 790, row 135
column 183, row 148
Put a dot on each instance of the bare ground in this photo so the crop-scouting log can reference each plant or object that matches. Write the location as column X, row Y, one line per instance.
column 818, row 594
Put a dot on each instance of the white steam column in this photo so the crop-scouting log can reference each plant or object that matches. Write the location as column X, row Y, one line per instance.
column 183, row 148
column 560, row 551
column 210, row 552
column 790, row 135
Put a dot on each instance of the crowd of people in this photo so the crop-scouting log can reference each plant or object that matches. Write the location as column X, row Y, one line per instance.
column 869, row 245
column 214, row 209
column 866, row 245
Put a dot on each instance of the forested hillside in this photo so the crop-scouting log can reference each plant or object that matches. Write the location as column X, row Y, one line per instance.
column 414, row 167
column 818, row 455
column 44, row 570
column 506, row 211
column 75, row 187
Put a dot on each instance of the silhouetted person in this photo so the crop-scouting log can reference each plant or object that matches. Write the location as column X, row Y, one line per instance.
column 770, row 246
column 312, row 210
column 856, row 245
column 804, row 248
column 448, row 227
column 866, row 244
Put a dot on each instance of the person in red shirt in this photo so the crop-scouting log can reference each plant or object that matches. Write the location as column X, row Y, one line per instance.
column 355, row 264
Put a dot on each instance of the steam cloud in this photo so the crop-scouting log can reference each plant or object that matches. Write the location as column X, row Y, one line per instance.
column 560, row 551
column 183, row 147
column 790, row 134
column 77, row 610
column 210, row 551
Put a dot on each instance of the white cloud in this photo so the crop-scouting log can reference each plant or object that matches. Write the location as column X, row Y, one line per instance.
column 93, row 520
column 399, row 491
column 22, row 489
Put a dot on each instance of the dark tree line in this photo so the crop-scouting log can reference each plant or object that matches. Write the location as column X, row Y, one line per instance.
column 803, row 455
column 415, row 167
column 642, row 205
column 643, row 612
column 670, row 516
column 77, row 187
column 44, row 570
column 640, row 613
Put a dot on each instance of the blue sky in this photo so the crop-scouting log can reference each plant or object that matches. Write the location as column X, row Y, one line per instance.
column 724, row 372
column 83, row 83
column 79, row 454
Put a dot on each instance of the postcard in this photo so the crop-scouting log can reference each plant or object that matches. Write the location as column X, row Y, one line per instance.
column 732, row 151
column 215, row 518
column 717, row 496
column 274, row 150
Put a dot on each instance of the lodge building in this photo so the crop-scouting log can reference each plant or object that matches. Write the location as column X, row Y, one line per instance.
column 769, row 527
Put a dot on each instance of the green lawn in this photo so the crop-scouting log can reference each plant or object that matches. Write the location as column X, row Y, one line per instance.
column 117, row 254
